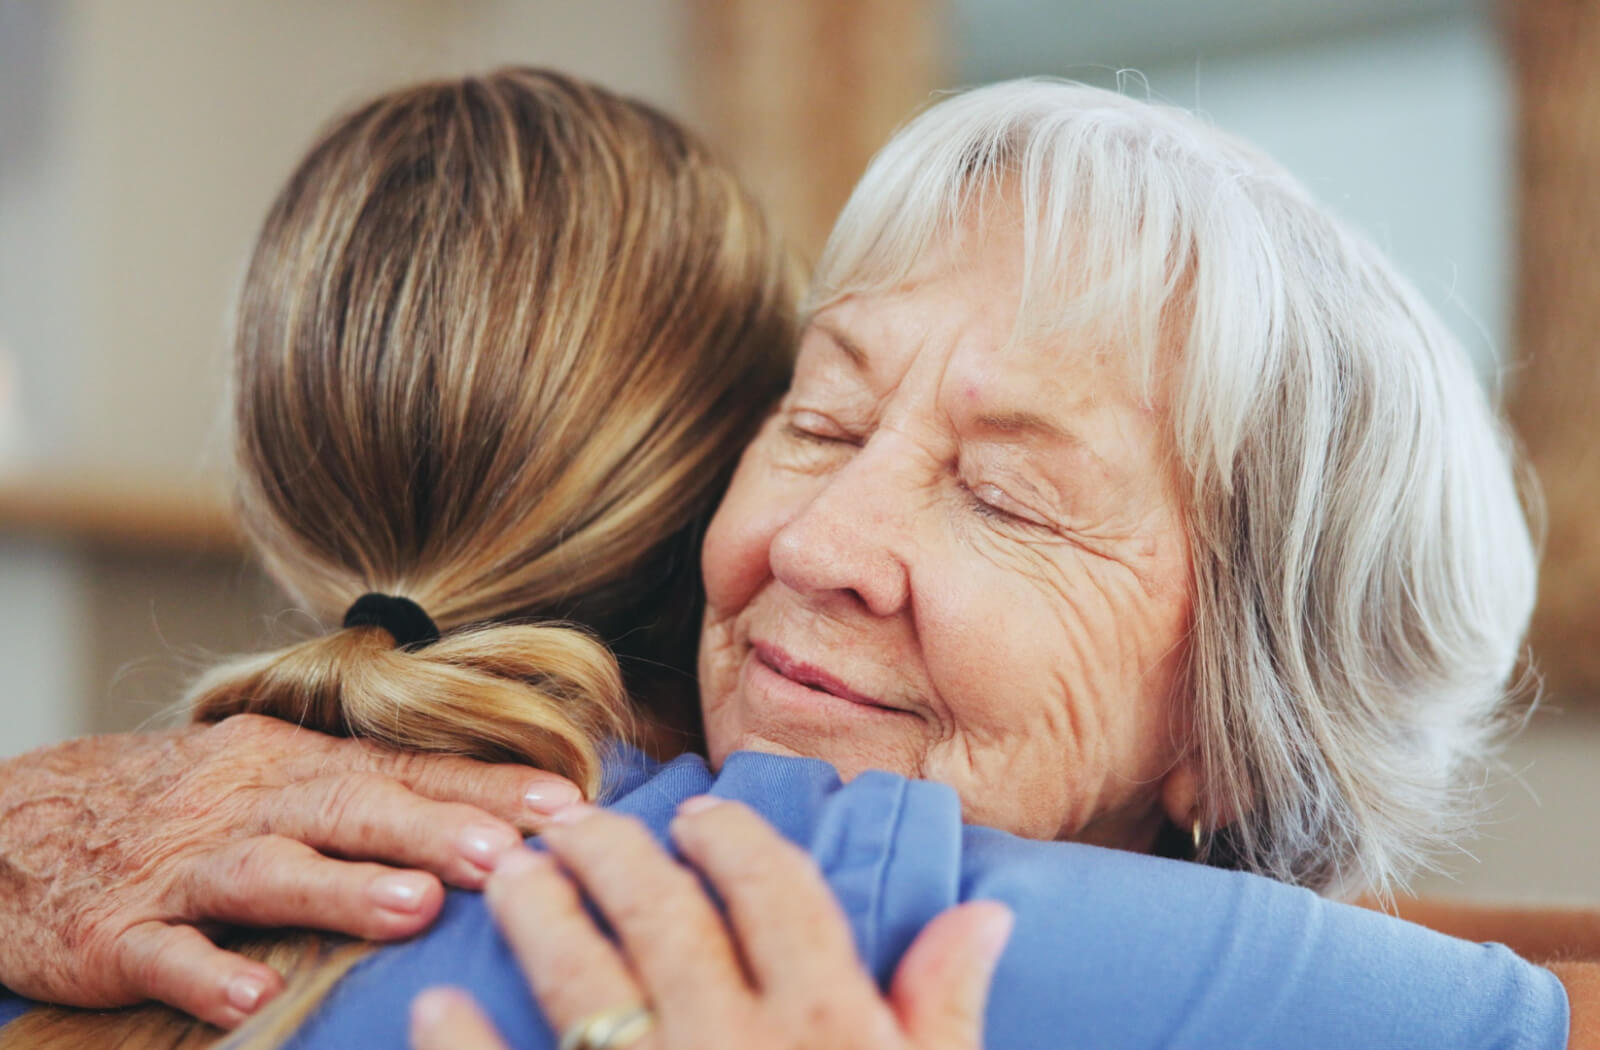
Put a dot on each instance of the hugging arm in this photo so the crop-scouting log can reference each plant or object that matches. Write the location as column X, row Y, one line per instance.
column 1117, row 949
column 780, row 971
column 117, row 851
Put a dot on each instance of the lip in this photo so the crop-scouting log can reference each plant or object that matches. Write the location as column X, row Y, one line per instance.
column 811, row 677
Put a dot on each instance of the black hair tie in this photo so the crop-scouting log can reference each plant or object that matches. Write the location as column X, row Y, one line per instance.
column 401, row 617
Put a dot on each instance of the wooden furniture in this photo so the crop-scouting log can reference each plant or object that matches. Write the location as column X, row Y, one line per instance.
column 800, row 95
column 123, row 514
column 1555, row 361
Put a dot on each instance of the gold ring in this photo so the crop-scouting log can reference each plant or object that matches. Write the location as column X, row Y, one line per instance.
column 609, row 1029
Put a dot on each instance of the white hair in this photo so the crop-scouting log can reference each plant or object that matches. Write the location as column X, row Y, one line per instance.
column 1363, row 572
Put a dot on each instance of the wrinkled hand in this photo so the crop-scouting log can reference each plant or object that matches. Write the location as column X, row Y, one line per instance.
column 781, row 971
column 110, row 847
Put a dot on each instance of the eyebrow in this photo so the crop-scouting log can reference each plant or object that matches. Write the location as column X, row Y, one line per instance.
column 1015, row 426
column 857, row 356
column 1028, row 424
column 1012, row 425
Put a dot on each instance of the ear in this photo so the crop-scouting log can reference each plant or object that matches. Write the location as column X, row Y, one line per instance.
column 1180, row 793
column 1180, row 798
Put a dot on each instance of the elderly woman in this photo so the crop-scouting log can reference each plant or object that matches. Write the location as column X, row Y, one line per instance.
column 1125, row 493
column 1123, row 490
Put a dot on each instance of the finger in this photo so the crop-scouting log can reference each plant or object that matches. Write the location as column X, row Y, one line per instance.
column 521, row 795
column 448, row 1019
column 787, row 922
column 178, row 966
column 574, row 970
column 275, row 881
column 369, row 816
column 941, row 986
column 671, row 934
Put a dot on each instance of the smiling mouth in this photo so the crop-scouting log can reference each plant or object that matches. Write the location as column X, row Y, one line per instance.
column 812, row 677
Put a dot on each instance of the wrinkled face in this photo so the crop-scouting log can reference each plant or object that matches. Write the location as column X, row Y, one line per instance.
column 961, row 560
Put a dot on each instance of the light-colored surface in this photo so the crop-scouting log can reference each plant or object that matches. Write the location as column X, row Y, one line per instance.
column 42, row 601
column 156, row 620
column 105, row 638
column 1540, row 841
column 143, row 144
column 1405, row 132
column 1407, row 135
column 1038, row 36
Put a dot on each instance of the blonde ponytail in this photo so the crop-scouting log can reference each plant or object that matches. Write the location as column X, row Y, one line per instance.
column 542, row 694
column 499, row 346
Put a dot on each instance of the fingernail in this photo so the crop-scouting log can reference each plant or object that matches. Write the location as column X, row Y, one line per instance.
column 520, row 860
column 483, row 844
column 402, row 893
column 245, row 992
column 512, row 866
column 995, row 933
column 547, row 796
column 431, row 1009
column 698, row 804
column 573, row 813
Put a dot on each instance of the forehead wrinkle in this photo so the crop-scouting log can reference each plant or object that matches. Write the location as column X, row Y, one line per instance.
column 847, row 346
column 1081, row 400
column 1026, row 428
column 884, row 372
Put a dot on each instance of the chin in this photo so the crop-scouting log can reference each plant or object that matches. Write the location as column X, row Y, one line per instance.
column 845, row 755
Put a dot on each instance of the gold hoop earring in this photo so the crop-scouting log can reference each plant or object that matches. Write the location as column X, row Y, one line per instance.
column 1194, row 832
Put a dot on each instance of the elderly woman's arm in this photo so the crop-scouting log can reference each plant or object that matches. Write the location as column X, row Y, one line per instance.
column 1582, row 982
column 111, row 847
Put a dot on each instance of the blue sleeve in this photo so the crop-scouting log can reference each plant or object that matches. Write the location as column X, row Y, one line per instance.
column 1111, row 950
column 12, row 1007
column 858, row 834
column 370, row 1006
column 1115, row 949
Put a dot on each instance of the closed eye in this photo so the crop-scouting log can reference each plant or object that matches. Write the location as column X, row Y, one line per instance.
column 818, row 429
column 991, row 502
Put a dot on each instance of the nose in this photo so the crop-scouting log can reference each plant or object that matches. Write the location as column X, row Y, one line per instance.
column 851, row 539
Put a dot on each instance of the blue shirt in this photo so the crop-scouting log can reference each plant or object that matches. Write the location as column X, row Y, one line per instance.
column 1110, row 950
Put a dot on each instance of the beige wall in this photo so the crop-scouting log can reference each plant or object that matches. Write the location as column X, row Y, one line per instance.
column 1539, row 841
column 174, row 122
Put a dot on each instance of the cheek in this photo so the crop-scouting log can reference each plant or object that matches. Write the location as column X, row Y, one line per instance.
column 734, row 556
column 1060, row 688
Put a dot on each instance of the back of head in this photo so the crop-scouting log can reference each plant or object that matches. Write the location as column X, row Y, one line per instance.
column 497, row 348
column 1363, row 572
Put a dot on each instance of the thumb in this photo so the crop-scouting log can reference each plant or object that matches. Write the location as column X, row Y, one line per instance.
column 942, row 985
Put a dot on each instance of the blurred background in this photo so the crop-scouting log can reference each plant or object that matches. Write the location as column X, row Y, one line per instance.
column 140, row 144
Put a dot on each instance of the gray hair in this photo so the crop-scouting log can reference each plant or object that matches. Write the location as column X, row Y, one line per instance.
column 1363, row 572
